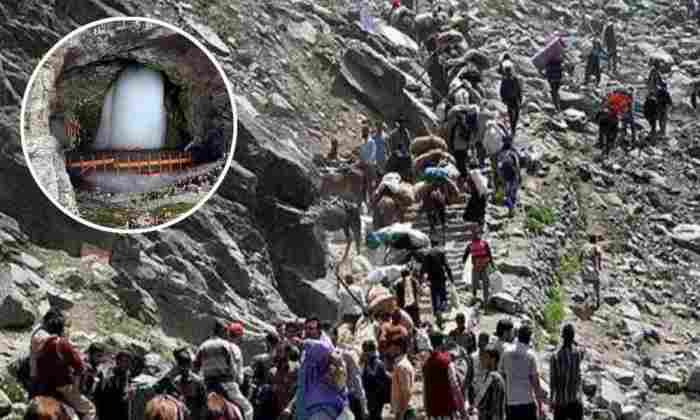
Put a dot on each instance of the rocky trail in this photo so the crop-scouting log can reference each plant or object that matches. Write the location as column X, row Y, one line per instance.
column 303, row 71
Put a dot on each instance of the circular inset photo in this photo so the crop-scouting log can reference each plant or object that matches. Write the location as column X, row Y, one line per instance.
column 128, row 125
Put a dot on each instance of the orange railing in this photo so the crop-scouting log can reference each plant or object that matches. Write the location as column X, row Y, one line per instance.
column 146, row 162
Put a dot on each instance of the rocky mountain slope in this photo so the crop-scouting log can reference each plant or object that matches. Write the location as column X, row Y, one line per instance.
column 302, row 72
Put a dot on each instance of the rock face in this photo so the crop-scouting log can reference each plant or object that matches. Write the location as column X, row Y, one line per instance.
column 382, row 86
column 15, row 311
column 44, row 150
column 687, row 236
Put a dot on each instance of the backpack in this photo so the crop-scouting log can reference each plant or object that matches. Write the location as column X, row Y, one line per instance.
column 509, row 165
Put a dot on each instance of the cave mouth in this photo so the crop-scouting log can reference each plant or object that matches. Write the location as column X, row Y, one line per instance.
column 128, row 132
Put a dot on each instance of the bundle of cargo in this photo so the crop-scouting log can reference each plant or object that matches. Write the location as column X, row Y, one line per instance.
column 433, row 158
column 553, row 49
column 390, row 272
column 424, row 187
column 401, row 192
column 398, row 236
column 421, row 145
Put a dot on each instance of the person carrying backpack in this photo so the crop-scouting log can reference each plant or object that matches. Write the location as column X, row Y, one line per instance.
column 482, row 258
column 509, row 169
column 658, row 99
column 375, row 380
column 511, row 94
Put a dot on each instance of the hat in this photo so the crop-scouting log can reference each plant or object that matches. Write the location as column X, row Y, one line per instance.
column 235, row 329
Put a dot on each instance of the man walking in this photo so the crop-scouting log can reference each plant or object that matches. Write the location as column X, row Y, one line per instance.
column 511, row 94
column 434, row 267
column 565, row 378
column 482, row 258
column 518, row 366
column 442, row 396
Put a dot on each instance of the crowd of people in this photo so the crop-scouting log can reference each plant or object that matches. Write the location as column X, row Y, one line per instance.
column 313, row 370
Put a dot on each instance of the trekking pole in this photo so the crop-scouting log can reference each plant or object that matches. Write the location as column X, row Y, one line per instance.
column 347, row 288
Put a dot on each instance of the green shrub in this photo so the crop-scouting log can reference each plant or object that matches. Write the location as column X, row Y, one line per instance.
column 554, row 310
column 569, row 265
column 537, row 218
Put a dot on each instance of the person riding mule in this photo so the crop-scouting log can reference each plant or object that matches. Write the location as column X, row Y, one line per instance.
column 59, row 366
column 221, row 364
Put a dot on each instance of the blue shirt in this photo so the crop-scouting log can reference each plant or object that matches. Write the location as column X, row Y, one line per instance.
column 368, row 151
column 380, row 148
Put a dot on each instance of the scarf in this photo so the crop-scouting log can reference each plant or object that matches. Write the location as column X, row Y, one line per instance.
column 314, row 393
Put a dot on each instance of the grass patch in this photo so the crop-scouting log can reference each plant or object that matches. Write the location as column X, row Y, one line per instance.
column 539, row 217
column 499, row 197
column 171, row 211
column 554, row 310
column 569, row 265
column 106, row 217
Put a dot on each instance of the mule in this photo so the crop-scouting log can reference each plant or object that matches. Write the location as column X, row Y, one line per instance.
column 49, row 408
column 338, row 214
column 219, row 408
column 349, row 184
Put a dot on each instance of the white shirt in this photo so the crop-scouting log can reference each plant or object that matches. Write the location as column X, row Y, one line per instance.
column 517, row 365
column 347, row 305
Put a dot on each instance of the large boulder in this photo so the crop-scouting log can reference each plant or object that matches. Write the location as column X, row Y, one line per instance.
column 16, row 311
column 687, row 236
column 610, row 396
column 381, row 86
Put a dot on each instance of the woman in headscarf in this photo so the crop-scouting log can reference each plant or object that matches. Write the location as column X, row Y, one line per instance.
column 321, row 393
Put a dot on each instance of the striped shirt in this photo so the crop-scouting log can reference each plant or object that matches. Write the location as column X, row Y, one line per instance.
column 565, row 375
column 217, row 357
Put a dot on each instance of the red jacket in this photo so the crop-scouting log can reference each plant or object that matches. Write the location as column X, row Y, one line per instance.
column 440, row 400
column 57, row 364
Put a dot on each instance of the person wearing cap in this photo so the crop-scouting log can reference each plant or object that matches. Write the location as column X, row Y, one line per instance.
column 442, row 393
column 234, row 330
column 511, row 94
column 221, row 364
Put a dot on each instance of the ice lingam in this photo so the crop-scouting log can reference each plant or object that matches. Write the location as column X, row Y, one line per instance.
column 133, row 118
